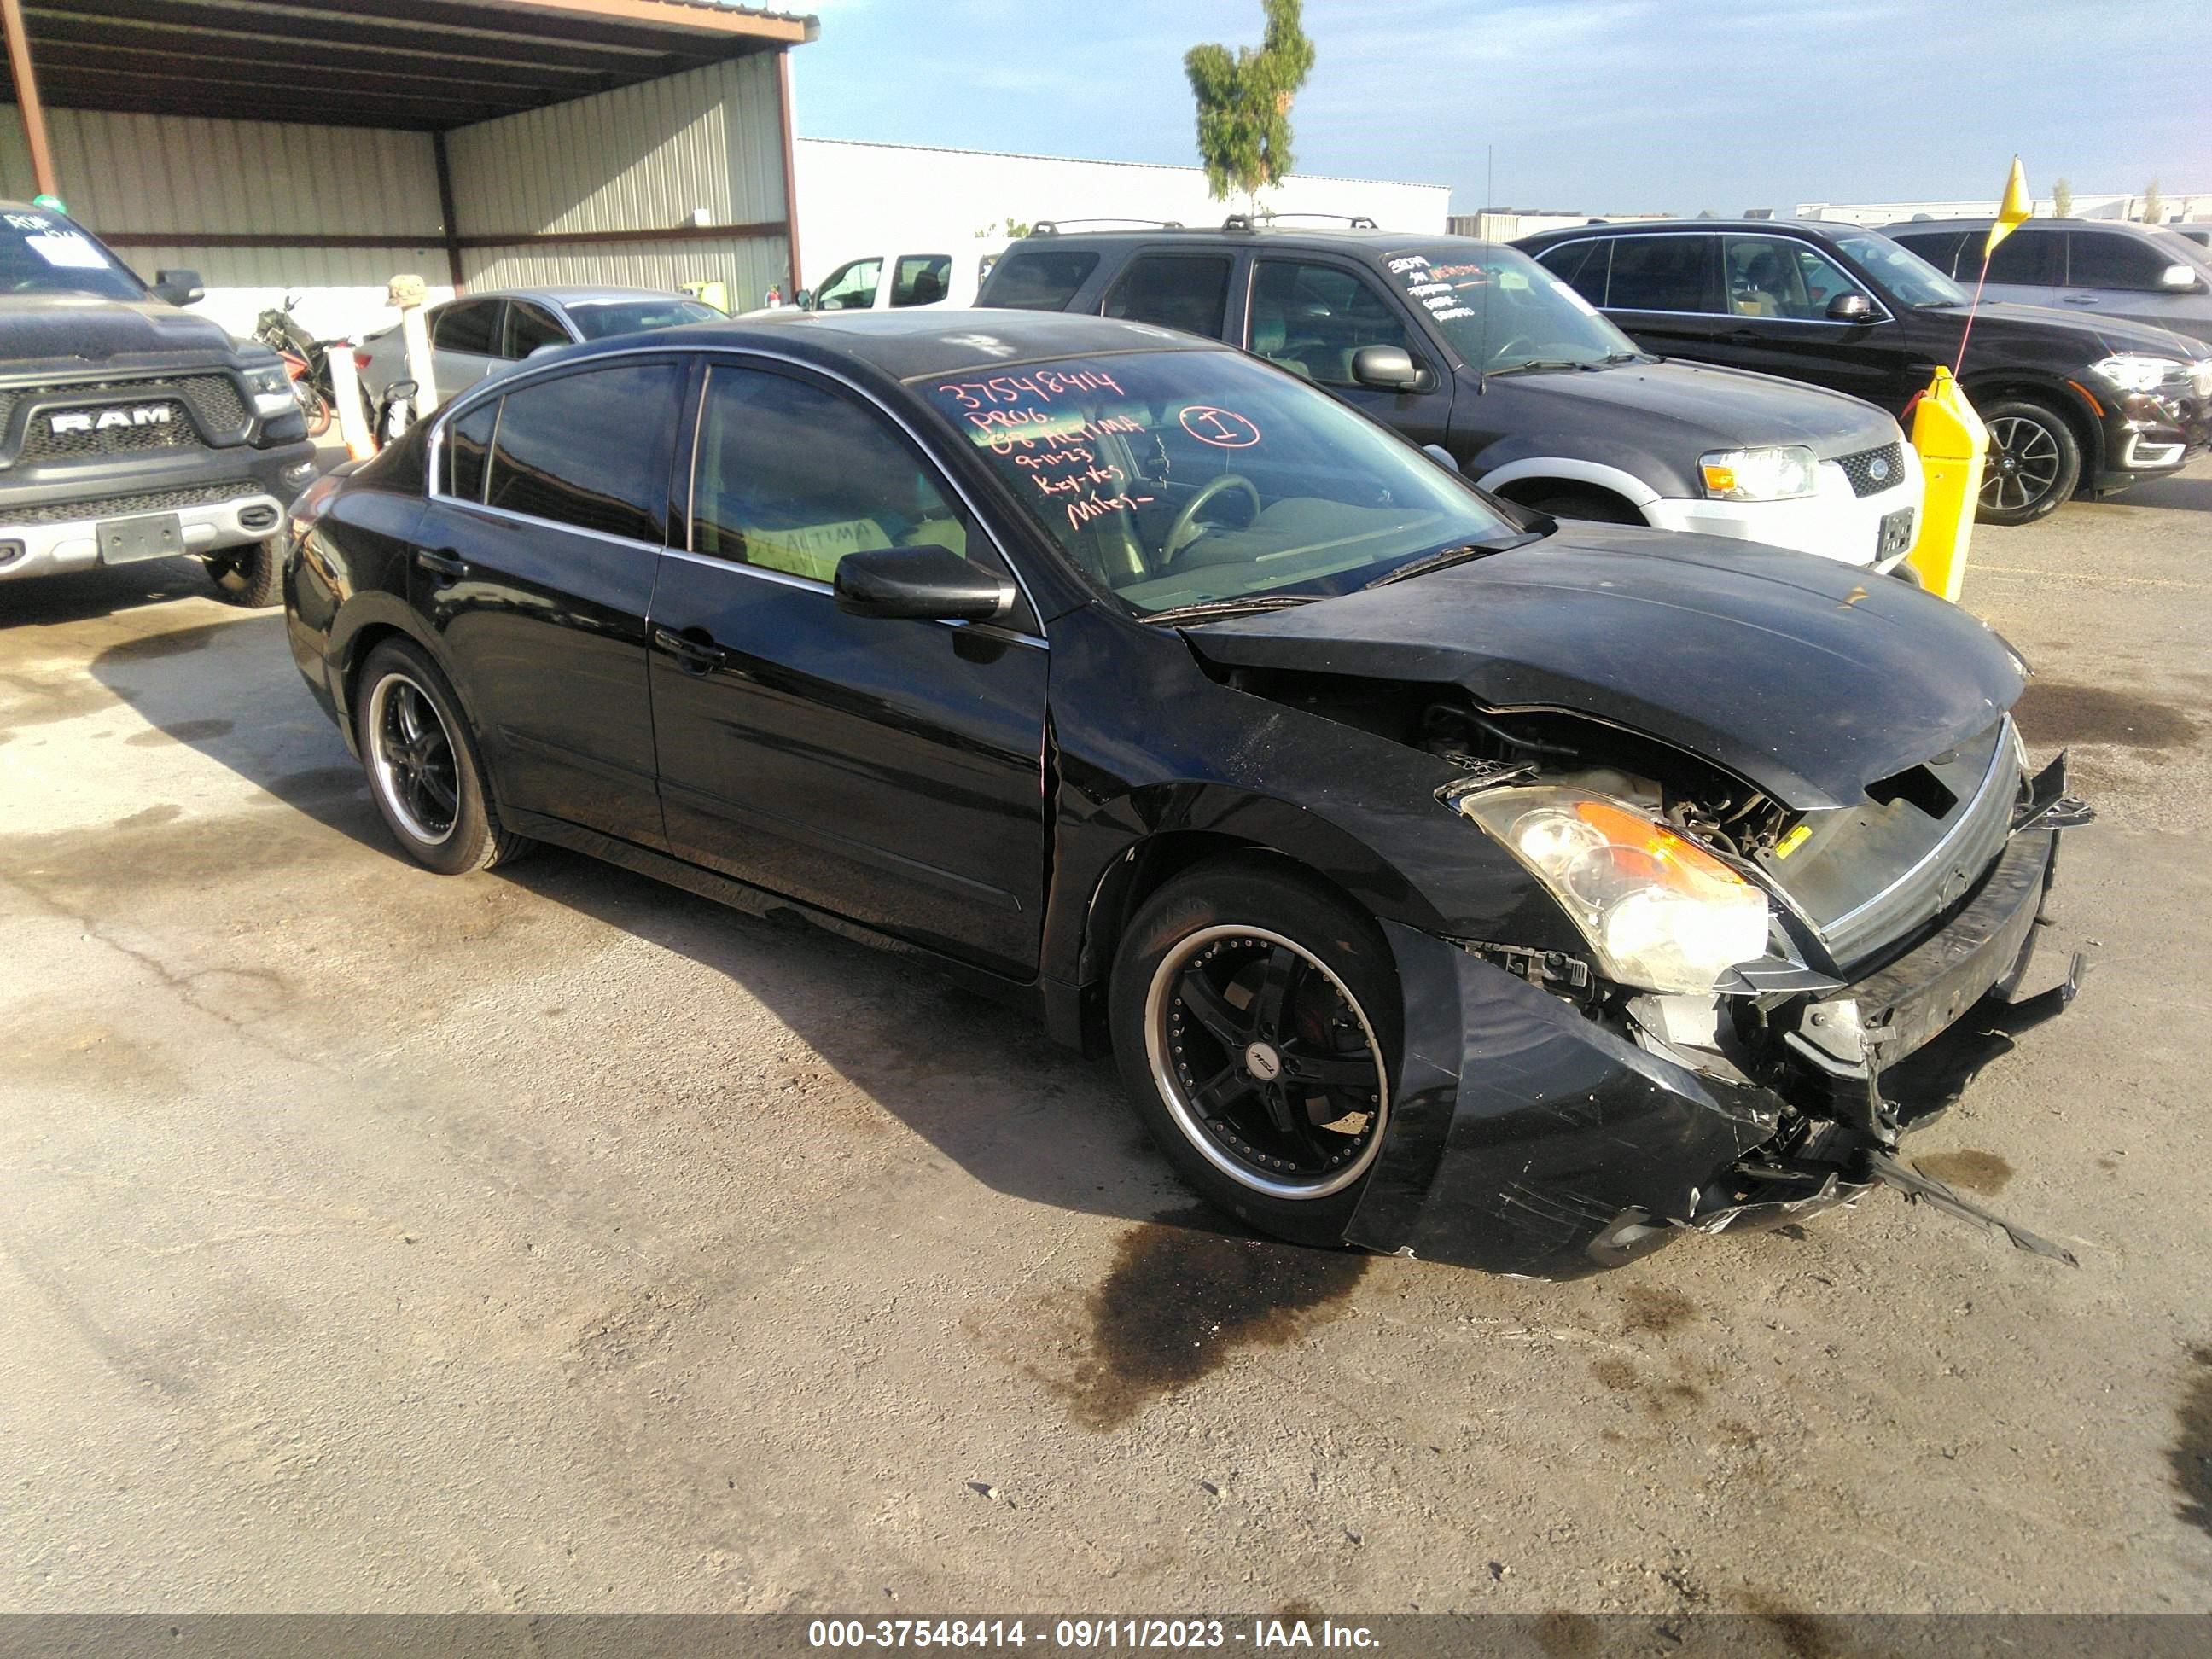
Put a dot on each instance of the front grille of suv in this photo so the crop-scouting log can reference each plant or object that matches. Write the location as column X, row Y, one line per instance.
column 172, row 429
column 123, row 506
column 1861, row 468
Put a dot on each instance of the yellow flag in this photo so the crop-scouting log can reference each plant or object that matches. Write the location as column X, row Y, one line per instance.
column 2014, row 209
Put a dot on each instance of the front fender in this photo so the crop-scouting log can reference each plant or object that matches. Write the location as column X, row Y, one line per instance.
column 1528, row 1139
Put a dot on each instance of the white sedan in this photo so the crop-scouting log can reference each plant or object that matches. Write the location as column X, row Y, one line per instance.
column 480, row 334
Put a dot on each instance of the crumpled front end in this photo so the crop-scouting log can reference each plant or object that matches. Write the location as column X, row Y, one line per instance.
column 1549, row 1123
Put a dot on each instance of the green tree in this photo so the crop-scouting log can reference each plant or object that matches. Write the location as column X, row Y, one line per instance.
column 2061, row 199
column 2154, row 209
column 1244, row 105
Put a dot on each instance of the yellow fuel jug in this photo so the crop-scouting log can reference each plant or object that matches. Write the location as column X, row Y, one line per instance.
column 1951, row 439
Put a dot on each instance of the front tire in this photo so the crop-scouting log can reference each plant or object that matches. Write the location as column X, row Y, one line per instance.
column 421, row 758
column 2033, row 463
column 251, row 576
column 1256, row 1022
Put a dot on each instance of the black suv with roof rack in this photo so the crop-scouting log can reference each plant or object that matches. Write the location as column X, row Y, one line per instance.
column 129, row 428
column 2073, row 401
column 1471, row 349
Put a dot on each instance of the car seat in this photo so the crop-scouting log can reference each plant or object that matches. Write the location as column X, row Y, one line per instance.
column 1758, row 287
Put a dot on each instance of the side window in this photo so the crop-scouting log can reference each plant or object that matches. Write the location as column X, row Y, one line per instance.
column 2031, row 258
column 1939, row 247
column 793, row 477
column 529, row 327
column 1174, row 290
column 2101, row 259
column 921, row 279
column 468, row 326
column 1581, row 266
column 851, row 287
column 1661, row 273
column 1311, row 318
column 1041, row 280
column 590, row 450
column 468, row 440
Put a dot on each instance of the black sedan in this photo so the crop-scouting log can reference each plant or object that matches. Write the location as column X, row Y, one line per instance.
column 1443, row 879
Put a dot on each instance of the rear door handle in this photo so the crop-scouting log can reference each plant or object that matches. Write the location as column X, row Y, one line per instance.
column 697, row 656
column 2079, row 299
column 441, row 563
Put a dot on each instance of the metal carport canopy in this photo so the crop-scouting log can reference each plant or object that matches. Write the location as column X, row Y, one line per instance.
column 420, row 65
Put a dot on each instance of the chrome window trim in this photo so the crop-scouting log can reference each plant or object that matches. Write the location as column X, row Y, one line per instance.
column 741, row 355
column 512, row 517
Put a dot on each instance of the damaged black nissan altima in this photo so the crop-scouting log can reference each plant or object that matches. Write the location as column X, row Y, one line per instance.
column 1444, row 879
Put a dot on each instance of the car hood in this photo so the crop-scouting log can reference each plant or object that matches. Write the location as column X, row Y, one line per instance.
column 2110, row 334
column 38, row 329
column 1711, row 406
column 1807, row 678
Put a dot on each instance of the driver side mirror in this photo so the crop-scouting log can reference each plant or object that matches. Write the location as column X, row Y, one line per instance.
column 2179, row 279
column 927, row 584
column 178, row 287
column 1387, row 368
column 1850, row 308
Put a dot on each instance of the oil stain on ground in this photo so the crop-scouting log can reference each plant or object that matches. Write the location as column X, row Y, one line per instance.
column 2055, row 712
column 2191, row 1458
column 1185, row 1293
column 1656, row 1310
column 1978, row 1172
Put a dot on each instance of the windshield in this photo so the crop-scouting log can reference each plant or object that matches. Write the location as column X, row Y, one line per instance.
column 1174, row 479
column 45, row 253
column 1900, row 271
column 598, row 321
column 2180, row 249
column 1501, row 311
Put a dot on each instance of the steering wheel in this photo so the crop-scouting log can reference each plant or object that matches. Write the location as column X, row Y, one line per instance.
column 1520, row 342
column 1184, row 530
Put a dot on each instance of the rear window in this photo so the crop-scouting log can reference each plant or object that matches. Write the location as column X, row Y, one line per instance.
column 590, row 449
column 1939, row 247
column 1174, row 290
column 1581, row 266
column 1661, row 273
column 599, row 322
column 1041, row 280
column 468, row 440
column 2027, row 257
column 467, row 326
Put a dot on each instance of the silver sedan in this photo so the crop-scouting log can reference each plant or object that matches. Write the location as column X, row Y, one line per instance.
column 480, row 334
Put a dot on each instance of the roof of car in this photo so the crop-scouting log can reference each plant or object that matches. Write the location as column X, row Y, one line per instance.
column 574, row 295
column 2038, row 221
column 1828, row 227
column 1381, row 242
column 906, row 344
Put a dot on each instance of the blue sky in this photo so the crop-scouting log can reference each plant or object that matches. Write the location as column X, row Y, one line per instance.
column 1601, row 105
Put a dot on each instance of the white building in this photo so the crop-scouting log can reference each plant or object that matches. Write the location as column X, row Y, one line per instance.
column 860, row 198
column 1510, row 224
column 2176, row 207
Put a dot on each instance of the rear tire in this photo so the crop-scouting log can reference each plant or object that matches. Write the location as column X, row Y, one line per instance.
column 2033, row 463
column 1256, row 1022
column 423, row 772
column 251, row 576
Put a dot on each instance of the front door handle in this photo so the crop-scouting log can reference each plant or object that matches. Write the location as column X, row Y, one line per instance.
column 2079, row 299
column 695, row 652
column 441, row 563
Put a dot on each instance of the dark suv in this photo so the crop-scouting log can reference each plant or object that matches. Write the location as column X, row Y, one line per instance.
column 2073, row 401
column 1471, row 347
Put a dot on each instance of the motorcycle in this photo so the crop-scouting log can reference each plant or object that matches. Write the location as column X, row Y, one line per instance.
column 307, row 360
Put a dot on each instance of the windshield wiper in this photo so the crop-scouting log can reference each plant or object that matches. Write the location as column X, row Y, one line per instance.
column 1219, row 610
column 1459, row 554
column 1536, row 365
column 1631, row 357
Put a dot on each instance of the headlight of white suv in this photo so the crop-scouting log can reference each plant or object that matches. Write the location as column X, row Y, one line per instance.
column 2136, row 371
column 1658, row 910
column 1779, row 474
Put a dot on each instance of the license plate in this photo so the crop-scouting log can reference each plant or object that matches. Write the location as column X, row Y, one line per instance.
column 125, row 541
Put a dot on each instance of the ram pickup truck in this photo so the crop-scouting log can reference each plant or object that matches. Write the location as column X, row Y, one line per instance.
column 130, row 429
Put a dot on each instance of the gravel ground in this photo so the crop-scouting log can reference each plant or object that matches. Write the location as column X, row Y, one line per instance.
column 555, row 1241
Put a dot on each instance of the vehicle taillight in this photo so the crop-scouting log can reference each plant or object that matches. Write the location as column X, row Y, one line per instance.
column 361, row 361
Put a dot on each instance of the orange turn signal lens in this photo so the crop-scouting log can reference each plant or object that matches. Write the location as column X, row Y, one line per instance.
column 1719, row 479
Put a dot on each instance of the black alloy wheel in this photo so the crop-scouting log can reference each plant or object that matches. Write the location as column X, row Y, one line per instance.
column 1255, row 1019
column 423, row 772
column 2033, row 464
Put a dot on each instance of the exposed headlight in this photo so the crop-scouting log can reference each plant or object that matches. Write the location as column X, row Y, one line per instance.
column 1778, row 474
column 271, row 388
column 2136, row 371
column 1659, row 911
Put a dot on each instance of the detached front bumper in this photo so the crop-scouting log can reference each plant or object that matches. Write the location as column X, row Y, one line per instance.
column 1528, row 1138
